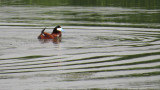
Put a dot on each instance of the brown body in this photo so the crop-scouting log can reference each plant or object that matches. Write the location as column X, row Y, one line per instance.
column 46, row 35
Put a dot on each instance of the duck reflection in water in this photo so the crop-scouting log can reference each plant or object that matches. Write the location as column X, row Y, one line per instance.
column 55, row 36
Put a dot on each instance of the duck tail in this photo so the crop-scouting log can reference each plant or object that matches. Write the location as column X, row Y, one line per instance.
column 43, row 30
column 41, row 35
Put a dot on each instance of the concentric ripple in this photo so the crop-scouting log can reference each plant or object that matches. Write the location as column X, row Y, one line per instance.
column 101, row 55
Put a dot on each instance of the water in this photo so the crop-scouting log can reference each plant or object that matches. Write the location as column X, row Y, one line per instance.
column 104, row 46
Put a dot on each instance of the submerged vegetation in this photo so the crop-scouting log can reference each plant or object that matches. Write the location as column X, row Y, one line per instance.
column 146, row 4
column 115, row 13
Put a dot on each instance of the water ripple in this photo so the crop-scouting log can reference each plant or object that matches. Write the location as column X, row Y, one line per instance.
column 85, row 54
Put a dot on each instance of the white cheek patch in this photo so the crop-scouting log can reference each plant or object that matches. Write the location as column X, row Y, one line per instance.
column 60, row 29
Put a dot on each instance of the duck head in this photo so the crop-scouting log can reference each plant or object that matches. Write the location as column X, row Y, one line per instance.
column 58, row 29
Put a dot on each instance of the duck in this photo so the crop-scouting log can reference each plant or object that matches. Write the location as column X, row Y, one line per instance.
column 56, row 33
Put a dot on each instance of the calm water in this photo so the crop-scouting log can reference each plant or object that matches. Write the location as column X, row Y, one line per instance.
column 106, row 44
